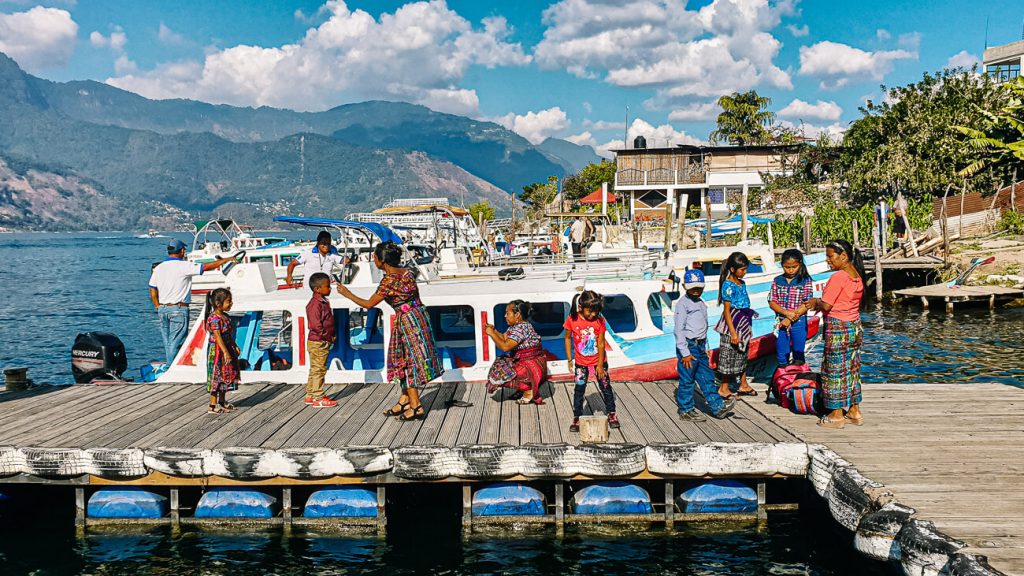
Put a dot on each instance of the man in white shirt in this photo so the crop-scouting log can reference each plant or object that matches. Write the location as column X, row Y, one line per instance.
column 323, row 258
column 577, row 235
column 170, row 290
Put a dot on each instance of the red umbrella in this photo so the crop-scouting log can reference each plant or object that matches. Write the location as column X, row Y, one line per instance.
column 595, row 198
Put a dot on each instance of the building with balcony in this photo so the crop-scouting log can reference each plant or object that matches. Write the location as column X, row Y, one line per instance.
column 652, row 179
column 1003, row 63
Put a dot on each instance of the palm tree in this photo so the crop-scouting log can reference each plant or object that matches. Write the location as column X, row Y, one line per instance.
column 1001, row 141
column 744, row 119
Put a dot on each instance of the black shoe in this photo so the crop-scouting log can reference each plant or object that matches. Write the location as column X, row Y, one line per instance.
column 692, row 415
column 727, row 407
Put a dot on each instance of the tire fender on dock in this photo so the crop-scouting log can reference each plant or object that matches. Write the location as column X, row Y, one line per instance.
column 823, row 464
column 876, row 533
column 56, row 462
column 539, row 460
column 12, row 461
column 485, row 461
column 971, row 565
column 188, row 462
column 610, row 460
column 851, row 496
column 308, row 463
column 116, row 463
column 924, row 551
column 240, row 463
column 424, row 462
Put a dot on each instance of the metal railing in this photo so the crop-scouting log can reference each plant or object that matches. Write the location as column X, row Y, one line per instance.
column 693, row 174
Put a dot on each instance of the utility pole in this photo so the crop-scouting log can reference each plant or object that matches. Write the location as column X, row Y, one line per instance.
column 625, row 131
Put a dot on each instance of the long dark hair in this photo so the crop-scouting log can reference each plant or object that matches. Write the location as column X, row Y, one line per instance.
column 522, row 307
column 844, row 247
column 802, row 274
column 388, row 253
column 214, row 299
column 734, row 262
column 587, row 299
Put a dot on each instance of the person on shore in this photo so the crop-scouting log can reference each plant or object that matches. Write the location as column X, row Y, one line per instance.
column 578, row 236
column 222, row 374
column 788, row 293
column 584, row 339
column 500, row 243
column 524, row 366
column 840, row 303
column 899, row 227
column 735, row 326
column 322, row 258
column 691, row 331
column 170, row 291
column 321, row 337
column 412, row 358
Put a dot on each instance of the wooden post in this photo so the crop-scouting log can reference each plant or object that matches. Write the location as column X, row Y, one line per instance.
column 856, row 233
column 670, row 506
column 743, row 214
column 175, row 505
column 992, row 301
column 79, row 507
column 771, row 238
column 877, row 249
column 960, row 219
column 286, row 505
column 924, row 303
column 668, row 230
column 807, row 234
column 559, row 508
column 944, row 224
column 707, row 231
column 762, row 513
column 949, row 305
column 382, row 516
column 906, row 223
column 467, row 509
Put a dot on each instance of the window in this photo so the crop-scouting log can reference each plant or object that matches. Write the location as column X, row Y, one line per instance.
column 652, row 198
column 264, row 340
column 455, row 333
column 716, row 195
column 547, row 319
column 659, row 304
column 262, row 258
column 1004, row 72
column 619, row 313
column 360, row 342
column 286, row 259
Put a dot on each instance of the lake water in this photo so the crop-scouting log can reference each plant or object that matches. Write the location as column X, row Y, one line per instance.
column 57, row 285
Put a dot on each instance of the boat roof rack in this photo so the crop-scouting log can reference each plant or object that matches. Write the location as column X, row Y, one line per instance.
column 382, row 232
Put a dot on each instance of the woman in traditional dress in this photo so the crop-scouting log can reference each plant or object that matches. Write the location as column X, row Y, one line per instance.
column 840, row 303
column 412, row 358
column 524, row 367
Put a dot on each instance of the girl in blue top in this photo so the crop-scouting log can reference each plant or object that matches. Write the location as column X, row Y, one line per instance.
column 735, row 326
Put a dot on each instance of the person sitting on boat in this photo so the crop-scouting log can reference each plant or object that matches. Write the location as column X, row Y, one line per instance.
column 524, row 367
column 170, row 290
column 322, row 258
column 412, row 358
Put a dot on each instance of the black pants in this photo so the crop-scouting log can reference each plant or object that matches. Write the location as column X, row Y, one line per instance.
column 579, row 391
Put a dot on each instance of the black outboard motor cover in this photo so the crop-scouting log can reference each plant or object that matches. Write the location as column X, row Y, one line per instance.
column 97, row 354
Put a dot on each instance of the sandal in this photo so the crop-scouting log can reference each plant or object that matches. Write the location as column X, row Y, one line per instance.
column 418, row 413
column 853, row 421
column 825, row 422
column 523, row 400
column 750, row 392
column 214, row 409
column 227, row 407
column 401, row 407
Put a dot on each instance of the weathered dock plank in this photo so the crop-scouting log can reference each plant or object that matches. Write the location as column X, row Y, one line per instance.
column 955, row 453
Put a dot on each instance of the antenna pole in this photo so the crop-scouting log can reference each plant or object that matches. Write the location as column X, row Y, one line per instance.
column 625, row 131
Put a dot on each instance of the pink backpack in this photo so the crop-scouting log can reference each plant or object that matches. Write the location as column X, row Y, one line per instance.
column 783, row 380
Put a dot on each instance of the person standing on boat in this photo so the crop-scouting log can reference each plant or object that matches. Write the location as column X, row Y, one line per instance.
column 170, row 291
column 412, row 358
column 524, row 366
column 322, row 258
column 840, row 303
column 577, row 236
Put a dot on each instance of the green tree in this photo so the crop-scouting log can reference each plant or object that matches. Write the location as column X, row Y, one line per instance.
column 907, row 143
column 589, row 179
column 539, row 194
column 744, row 119
column 481, row 208
column 1000, row 141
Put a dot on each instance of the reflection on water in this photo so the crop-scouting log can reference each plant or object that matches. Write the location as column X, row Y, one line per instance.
column 58, row 285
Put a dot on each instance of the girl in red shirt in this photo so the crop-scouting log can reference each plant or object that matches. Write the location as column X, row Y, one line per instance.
column 584, row 340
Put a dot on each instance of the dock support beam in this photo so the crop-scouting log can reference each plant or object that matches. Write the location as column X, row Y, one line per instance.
column 670, row 506
column 175, row 505
column 949, row 305
column 762, row 513
column 467, row 509
column 79, row 507
column 286, row 506
column 559, row 508
column 382, row 517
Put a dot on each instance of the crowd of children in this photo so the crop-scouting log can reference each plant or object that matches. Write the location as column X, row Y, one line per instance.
column 525, row 366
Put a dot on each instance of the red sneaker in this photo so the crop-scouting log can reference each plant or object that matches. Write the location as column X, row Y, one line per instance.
column 324, row 402
column 309, row 400
column 613, row 420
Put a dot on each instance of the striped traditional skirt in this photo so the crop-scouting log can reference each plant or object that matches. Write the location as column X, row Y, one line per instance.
column 732, row 358
column 412, row 355
column 841, row 368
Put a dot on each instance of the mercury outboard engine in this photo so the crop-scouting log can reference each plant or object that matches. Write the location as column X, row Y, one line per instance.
column 97, row 354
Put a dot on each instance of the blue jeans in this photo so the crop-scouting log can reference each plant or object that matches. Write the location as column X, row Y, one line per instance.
column 793, row 340
column 701, row 374
column 582, row 373
column 173, row 328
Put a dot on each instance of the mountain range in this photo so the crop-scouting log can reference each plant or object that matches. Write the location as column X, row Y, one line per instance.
column 85, row 155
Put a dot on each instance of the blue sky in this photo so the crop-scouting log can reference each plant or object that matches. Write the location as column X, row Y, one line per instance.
column 566, row 69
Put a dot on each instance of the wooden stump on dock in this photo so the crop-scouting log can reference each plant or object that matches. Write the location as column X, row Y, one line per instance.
column 594, row 429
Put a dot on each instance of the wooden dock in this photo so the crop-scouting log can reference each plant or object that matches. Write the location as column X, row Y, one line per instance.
column 950, row 295
column 955, row 453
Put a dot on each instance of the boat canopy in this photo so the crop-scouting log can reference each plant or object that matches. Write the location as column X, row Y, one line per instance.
column 378, row 230
column 751, row 219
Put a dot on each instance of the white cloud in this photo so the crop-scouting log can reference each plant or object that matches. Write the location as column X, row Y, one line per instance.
column 835, row 130
column 536, row 126
column 659, row 44
column 962, row 59
column 659, row 136
column 587, row 107
column 696, row 112
column 38, row 38
column 116, row 42
column 883, row 35
column 603, row 125
column 798, row 31
column 838, row 64
column 798, row 109
column 168, row 36
column 418, row 53
column 584, row 138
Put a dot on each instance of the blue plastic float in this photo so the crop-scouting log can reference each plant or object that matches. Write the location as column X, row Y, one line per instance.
column 341, row 503
column 612, row 498
column 508, row 499
column 719, row 496
column 235, row 503
column 126, row 503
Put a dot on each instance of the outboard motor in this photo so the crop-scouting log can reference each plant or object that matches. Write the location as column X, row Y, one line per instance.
column 97, row 354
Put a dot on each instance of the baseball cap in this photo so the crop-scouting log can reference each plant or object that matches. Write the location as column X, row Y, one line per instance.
column 175, row 246
column 693, row 279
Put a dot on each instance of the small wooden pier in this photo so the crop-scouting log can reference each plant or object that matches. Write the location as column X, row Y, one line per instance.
column 949, row 296
column 953, row 452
